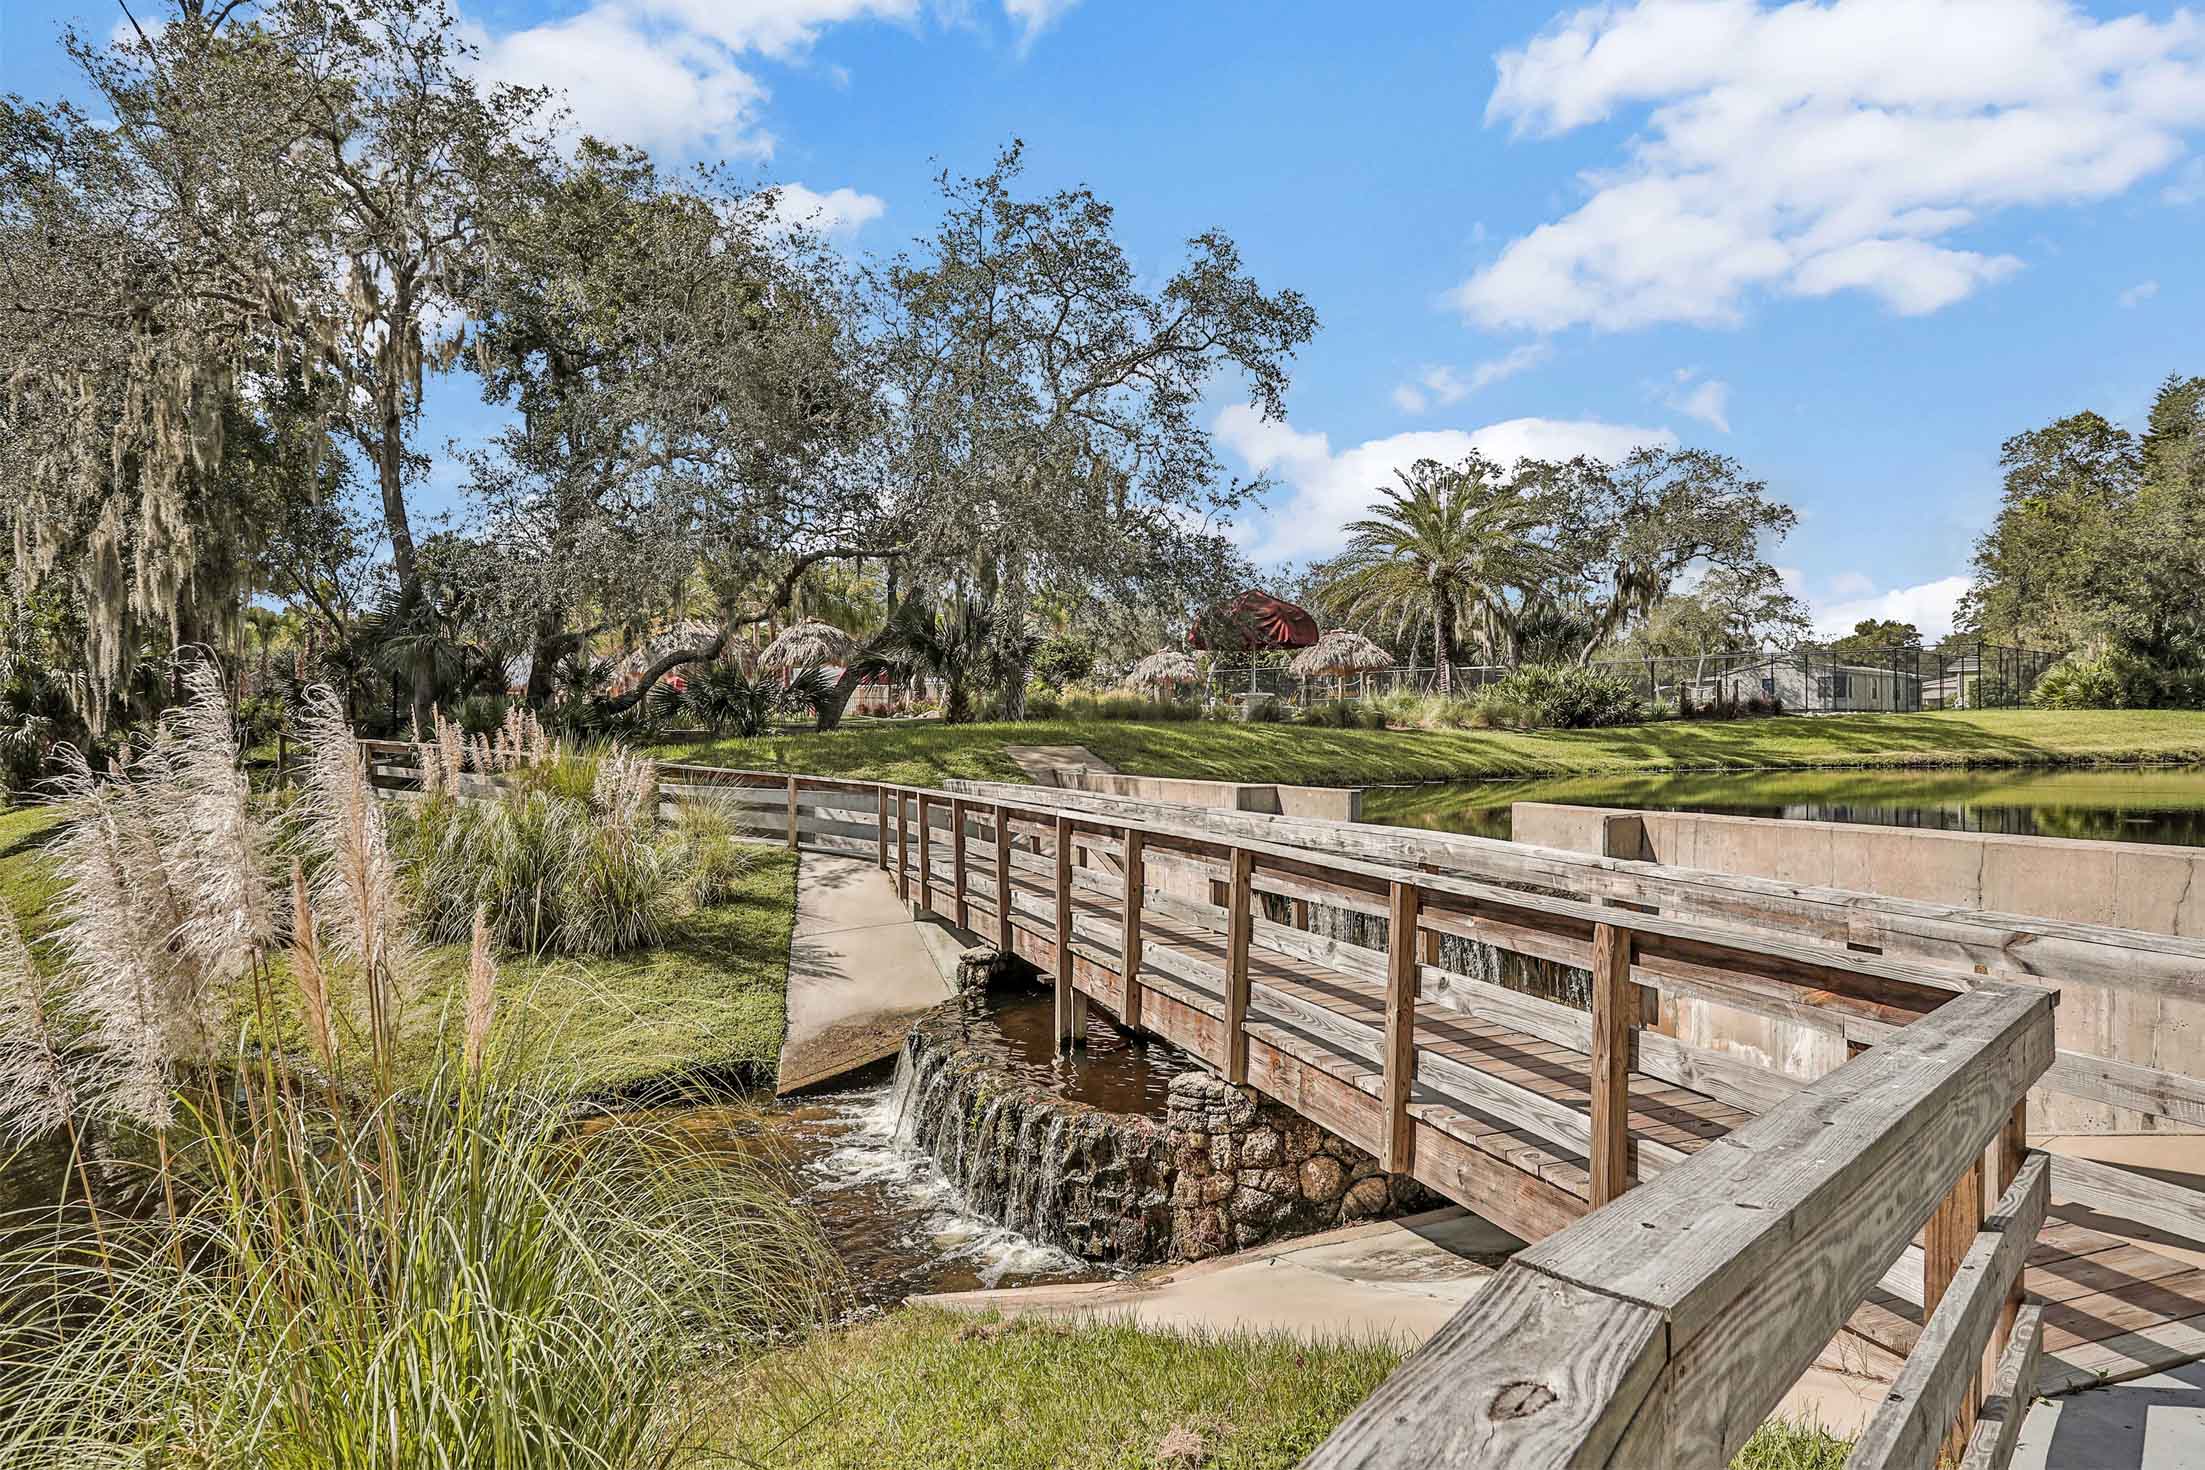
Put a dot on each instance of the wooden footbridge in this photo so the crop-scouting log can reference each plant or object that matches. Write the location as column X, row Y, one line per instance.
column 1704, row 1228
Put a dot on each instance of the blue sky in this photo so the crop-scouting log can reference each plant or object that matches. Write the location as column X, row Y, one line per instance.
column 1855, row 244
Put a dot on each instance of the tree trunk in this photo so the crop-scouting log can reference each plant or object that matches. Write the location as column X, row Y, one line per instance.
column 1443, row 640
column 1013, row 658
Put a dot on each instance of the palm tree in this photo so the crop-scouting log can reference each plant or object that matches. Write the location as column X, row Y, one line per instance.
column 1450, row 540
column 952, row 641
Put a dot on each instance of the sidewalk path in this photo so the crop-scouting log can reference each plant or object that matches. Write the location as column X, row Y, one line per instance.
column 859, row 970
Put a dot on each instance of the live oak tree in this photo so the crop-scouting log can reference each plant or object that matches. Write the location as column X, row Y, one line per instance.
column 281, row 205
column 1623, row 536
column 696, row 407
column 1048, row 402
column 2099, row 542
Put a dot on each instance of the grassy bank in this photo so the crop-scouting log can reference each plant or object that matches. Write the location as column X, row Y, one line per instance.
column 928, row 1390
column 711, row 1001
column 923, row 752
column 709, row 1004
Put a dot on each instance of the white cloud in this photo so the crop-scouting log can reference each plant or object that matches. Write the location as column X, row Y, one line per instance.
column 677, row 75
column 838, row 213
column 1928, row 606
column 2139, row 293
column 1032, row 17
column 632, row 82
column 1815, row 148
column 1444, row 386
column 1324, row 490
column 1706, row 399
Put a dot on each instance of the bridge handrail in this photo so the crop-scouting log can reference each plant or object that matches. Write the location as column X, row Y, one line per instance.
column 1663, row 1329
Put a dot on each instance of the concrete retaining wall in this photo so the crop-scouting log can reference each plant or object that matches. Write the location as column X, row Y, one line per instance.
column 2129, row 885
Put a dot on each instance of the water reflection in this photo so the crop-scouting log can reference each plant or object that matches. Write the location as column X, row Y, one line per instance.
column 2119, row 804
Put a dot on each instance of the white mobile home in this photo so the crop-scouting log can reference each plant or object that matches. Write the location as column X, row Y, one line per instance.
column 1809, row 684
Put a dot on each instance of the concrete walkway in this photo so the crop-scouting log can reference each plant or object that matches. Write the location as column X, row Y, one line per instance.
column 1394, row 1279
column 859, row 970
column 1401, row 1279
column 1040, row 763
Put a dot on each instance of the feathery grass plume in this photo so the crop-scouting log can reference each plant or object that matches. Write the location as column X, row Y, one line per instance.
column 451, row 749
column 216, row 852
column 307, row 973
column 481, row 756
column 116, row 912
column 358, row 893
column 35, row 1094
column 482, row 994
column 625, row 791
column 539, row 740
column 427, row 761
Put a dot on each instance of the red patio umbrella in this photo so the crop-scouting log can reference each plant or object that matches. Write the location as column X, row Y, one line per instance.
column 1253, row 622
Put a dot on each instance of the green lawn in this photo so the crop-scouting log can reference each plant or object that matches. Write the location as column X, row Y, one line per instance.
column 923, row 752
column 931, row 1390
column 710, row 1005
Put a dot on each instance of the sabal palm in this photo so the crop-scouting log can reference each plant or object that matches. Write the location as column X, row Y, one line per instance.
column 1449, row 539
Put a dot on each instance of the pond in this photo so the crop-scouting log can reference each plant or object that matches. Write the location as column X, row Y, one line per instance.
column 2114, row 803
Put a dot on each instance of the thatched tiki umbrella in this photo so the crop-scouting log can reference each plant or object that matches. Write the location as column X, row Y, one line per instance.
column 1164, row 668
column 1340, row 653
column 809, row 644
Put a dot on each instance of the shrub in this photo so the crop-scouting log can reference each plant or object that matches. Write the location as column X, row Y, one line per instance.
column 1129, row 706
column 2116, row 680
column 1561, row 696
column 479, row 714
column 1344, row 714
column 714, row 858
column 563, row 853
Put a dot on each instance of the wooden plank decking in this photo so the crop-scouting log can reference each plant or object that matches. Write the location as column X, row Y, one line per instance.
column 1502, row 1117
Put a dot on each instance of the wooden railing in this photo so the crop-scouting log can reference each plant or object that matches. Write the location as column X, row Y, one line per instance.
column 1663, row 1329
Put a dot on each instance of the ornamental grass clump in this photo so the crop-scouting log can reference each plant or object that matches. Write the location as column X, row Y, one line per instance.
column 337, row 1270
column 561, row 847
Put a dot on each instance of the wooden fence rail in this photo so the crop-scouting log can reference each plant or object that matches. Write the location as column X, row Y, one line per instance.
column 1663, row 1329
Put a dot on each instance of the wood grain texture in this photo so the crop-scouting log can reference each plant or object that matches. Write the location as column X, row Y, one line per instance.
column 2013, row 1388
column 1614, row 1011
column 1938, row 1385
column 1536, row 1372
column 1403, row 964
column 960, row 909
column 1063, row 917
column 1236, row 968
column 903, row 850
column 1001, row 859
column 1135, row 878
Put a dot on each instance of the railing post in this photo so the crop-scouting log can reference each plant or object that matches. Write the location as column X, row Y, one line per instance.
column 880, row 817
column 903, row 849
column 1129, row 945
column 1403, row 947
column 957, row 861
column 1236, row 967
column 1614, row 1012
column 1945, row 1240
column 2012, row 1147
column 926, row 848
column 1003, row 935
column 792, row 814
column 1064, row 933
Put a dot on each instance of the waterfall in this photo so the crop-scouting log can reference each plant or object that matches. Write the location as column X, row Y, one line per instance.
column 1093, row 1183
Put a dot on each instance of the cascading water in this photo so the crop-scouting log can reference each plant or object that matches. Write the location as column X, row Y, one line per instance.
column 1086, row 1181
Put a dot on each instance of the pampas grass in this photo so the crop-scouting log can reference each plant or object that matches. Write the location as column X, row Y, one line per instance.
column 452, row 1273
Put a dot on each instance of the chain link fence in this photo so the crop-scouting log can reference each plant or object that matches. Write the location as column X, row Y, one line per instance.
column 1893, row 680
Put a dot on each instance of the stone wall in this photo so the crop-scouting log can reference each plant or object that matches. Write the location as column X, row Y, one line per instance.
column 1224, row 1170
column 1248, row 1171
column 1096, row 1183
